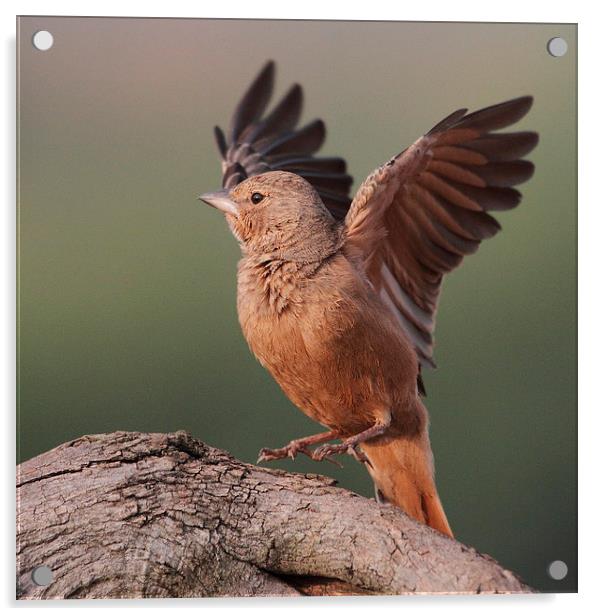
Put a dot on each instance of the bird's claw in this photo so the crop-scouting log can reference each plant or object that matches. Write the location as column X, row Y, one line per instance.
column 265, row 455
column 328, row 459
column 289, row 451
column 359, row 455
column 323, row 452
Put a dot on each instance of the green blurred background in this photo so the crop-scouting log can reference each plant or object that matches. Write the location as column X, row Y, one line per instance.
column 127, row 317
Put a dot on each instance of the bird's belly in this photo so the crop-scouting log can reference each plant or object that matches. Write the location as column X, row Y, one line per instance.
column 324, row 386
column 336, row 374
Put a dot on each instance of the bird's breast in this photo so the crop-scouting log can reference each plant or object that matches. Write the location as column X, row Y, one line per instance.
column 327, row 342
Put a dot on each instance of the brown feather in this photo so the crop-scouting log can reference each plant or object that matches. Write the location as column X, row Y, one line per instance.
column 503, row 146
column 343, row 314
column 259, row 144
column 447, row 190
column 445, row 169
column 458, row 155
column 431, row 202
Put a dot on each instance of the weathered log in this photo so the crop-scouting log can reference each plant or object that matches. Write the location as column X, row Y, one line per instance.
column 164, row 515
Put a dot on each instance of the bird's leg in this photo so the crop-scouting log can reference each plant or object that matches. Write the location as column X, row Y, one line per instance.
column 350, row 445
column 300, row 445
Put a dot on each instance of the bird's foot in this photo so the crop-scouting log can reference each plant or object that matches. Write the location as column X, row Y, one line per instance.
column 291, row 450
column 346, row 447
column 288, row 451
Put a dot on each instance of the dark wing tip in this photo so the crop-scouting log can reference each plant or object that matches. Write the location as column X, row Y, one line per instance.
column 266, row 73
column 534, row 139
column 254, row 100
column 489, row 118
column 307, row 140
column 448, row 121
column 257, row 141
column 526, row 101
column 220, row 139
column 283, row 117
column 521, row 105
column 499, row 147
column 527, row 140
column 498, row 116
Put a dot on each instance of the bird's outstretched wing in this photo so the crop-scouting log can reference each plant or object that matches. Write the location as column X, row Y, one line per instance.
column 417, row 216
column 256, row 143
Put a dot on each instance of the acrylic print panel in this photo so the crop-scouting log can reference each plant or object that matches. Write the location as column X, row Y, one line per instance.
column 128, row 325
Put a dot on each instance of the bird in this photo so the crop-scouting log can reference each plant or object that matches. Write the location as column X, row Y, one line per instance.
column 337, row 296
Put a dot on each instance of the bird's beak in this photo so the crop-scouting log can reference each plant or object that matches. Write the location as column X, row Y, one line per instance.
column 220, row 200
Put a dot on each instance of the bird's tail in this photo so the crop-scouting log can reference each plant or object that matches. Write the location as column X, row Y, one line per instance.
column 402, row 469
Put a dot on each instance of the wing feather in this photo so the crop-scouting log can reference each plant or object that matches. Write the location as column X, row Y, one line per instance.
column 414, row 218
column 253, row 102
column 417, row 216
column 257, row 143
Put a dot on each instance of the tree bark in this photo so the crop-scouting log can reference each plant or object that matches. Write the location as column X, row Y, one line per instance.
column 128, row 514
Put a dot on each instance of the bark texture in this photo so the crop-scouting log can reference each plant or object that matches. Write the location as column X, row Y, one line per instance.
column 164, row 515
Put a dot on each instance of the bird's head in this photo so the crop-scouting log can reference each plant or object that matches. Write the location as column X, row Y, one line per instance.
column 280, row 214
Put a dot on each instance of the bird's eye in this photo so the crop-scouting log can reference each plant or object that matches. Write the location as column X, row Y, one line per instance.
column 256, row 197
